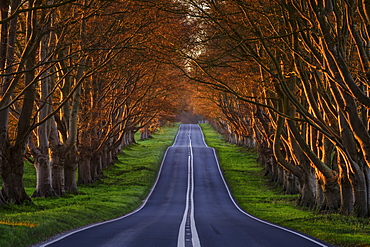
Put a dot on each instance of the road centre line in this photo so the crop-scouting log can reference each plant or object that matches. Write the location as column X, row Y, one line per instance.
column 195, row 239
column 144, row 202
column 249, row 215
column 188, row 217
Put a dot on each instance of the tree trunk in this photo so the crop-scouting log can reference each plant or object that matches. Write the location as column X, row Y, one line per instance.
column 291, row 184
column 41, row 153
column 332, row 197
column 7, row 44
column 306, row 178
column 110, row 156
column 43, row 173
column 367, row 177
column 100, row 164
column 12, row 174
column 104, row 157
column 70, row 170
column 280, row 176
column 84, row 170
column 144, row 133
column 12, row 165
column 2, row 199
column 96, row 166
column 57, row 169
column 346, row 191
column 319, row 194
column 307, row 191
column 358, row 180
column 4, row 114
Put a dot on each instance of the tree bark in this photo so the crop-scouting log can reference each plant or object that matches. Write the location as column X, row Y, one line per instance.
column 8, row 37
column 367, row 177
column 331, row 194
column 43, row 173
column 96, row 166
column 44, row 186
column 84, row 169
column 4, row 113
column 58, row 157
column 358, row 181
column 13, row 155
column 12, row 174
column 307, row 191
column 346, row 190
column 70, row 171
column 2, row 199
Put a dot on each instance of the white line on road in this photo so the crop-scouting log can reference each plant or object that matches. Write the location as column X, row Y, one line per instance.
column 181, row 238
column 181, row 241
column 195, row 239
column 251, row 216
column 62, row 236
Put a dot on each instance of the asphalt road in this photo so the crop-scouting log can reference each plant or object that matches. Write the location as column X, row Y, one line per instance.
column 189, row 205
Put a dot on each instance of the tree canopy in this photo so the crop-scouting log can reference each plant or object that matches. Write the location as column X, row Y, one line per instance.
column 289, row 78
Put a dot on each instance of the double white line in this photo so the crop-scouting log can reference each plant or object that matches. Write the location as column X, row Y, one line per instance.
column 188, row 235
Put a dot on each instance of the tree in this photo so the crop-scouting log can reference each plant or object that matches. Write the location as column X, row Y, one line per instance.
column 14, row 150
column 312, row 88
column 81, row 80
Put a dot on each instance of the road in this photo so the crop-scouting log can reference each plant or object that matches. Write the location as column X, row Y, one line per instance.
column 189, row 205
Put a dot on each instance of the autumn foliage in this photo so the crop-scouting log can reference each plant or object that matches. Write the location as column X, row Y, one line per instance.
column 78, row 79
column 289, row 78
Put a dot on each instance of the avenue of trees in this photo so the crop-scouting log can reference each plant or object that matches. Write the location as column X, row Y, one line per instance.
column 78, row 78
column 289, row 78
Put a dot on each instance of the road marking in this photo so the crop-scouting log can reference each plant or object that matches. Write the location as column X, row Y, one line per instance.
column 51, row 241
column 187, row 226
column 249, row 215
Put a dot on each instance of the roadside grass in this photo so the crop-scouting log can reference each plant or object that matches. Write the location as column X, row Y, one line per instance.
column 122, row 189
column 258, row 197
column 128, row 181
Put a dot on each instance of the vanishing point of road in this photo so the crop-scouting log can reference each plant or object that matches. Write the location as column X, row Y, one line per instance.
column 189, row 206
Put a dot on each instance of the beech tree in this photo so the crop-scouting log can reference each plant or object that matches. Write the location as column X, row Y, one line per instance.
column 313, row 97
column 18, row 74
column 78, row 79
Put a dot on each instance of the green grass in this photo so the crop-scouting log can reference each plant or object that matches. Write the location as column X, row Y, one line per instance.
column 127, row 183
column 124, row 186
column 256, row 196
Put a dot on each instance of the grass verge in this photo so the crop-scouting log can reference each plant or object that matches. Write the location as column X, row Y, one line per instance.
column 127, row 183
column 255, row 195
column 122, row 189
